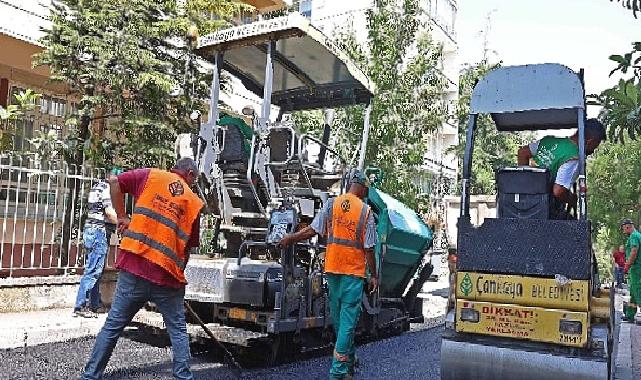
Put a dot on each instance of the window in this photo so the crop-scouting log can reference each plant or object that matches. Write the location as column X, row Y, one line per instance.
column 305, row 8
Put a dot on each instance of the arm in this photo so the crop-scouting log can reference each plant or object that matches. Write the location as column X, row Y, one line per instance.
column 118, row 202
column 563, row 194
column 304, row 234
column 524, row 155
column 565, row 177
column 633, row 258
column 316, row 228
column 194, row 240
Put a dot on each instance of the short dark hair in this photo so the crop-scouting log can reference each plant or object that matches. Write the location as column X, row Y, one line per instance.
column 186, row 164
column 594, row 130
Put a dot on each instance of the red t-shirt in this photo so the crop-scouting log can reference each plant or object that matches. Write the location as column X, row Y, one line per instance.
column 133, row 183
column 619, row 258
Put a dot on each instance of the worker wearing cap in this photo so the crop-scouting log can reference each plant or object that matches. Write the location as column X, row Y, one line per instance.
column 632, row 266
column 349, row 226
column 96, row 234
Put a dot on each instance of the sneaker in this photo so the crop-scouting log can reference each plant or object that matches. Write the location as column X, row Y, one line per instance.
column 77, row 312
column 100, row 310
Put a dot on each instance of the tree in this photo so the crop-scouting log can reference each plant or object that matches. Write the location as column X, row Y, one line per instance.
column 126, row 62
column 621, row 103
column 492, row 149
column 404, row 63
column 25, row 102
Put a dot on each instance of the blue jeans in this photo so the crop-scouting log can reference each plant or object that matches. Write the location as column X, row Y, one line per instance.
column 619, row 273
column 96, row 246
column 131, row 294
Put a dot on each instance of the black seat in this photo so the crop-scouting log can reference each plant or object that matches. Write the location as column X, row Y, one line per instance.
column 523, row 192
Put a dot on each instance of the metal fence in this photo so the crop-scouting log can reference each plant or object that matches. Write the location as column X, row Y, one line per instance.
column 42, row 210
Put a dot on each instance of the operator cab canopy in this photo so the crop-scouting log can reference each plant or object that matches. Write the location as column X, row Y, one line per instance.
column 310, row 72
column 530, row 97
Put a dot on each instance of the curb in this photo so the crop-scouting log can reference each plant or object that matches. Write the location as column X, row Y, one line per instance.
column 623, row 360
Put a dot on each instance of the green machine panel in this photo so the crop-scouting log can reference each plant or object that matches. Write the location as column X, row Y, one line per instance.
column 403, row 241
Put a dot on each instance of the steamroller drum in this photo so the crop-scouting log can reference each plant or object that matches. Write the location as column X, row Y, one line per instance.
column 470, row 361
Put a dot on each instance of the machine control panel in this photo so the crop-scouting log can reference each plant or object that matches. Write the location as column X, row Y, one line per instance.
column 282, row 222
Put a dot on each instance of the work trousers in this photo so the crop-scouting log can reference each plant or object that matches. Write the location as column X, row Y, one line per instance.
column 96, row 242
column 345, row 294
column 132, row 292
column 634, row 283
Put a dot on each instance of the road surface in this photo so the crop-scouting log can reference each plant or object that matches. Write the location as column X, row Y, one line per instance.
column 413, row 355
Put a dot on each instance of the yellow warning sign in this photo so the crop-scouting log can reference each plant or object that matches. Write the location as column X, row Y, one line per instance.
column 529, row 323
column 521, row 290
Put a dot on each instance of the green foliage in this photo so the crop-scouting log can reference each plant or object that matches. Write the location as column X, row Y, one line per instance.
column 127, row 63
column 621, row 103
column 614, row 172
column 403, row 63
column 614, row 193
column 25, row 102
column 492, row 149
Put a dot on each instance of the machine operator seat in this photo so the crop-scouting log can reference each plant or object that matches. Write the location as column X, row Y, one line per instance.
column 524, row 192
column 233, row 139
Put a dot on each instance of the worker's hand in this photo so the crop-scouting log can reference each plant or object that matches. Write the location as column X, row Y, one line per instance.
column 626, row 268
column 123, row 224
column 286, row 241
column 373, row 284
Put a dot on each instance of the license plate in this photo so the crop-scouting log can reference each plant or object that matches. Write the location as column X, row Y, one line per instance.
column 521, row 290
column 528, row 323
column 237, row 313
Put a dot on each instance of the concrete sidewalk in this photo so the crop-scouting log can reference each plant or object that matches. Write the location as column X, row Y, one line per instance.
column 25, row 329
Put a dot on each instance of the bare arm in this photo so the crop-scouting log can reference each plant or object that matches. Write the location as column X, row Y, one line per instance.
column 563, row 194
column 117, row 196
column 524, row 155
column 371, row 261
column 304, row 234
column 118, row 202
column 633, row 256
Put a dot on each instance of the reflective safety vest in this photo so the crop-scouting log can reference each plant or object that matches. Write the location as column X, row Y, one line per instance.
column 162, row 221
column 346, row 227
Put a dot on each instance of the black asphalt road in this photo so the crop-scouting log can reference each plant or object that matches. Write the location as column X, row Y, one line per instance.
column 413, row 355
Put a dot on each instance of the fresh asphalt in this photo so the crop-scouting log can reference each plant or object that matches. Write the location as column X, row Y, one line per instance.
column 413, row 355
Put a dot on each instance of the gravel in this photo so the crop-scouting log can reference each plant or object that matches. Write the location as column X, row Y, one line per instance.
column 413, row 355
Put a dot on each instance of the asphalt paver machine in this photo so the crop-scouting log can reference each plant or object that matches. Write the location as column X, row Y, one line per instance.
column 250, row 293
column 526, row 301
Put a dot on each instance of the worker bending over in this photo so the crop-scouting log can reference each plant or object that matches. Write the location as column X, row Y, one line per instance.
column 560, row 155
column 154, row 250
column 348, row 224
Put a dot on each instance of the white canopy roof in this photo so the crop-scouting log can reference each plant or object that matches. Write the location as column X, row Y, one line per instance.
column 310, row 71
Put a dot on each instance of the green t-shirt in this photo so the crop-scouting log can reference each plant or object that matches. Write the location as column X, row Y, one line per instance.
column 244, row 129
column 634, row 240
column 553, row 152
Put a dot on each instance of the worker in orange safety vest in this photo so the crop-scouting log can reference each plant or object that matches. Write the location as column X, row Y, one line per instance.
column 349, row 226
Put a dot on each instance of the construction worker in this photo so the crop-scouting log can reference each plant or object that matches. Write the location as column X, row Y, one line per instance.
column 96, row 235
column 154, row 250
column 632, row 267
column 349, row 226
column 560, row 155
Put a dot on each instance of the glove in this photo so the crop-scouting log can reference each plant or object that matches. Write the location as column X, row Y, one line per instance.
column 626, row 268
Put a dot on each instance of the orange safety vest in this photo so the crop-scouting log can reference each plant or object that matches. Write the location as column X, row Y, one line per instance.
column 346, row 227
column 162, row 221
